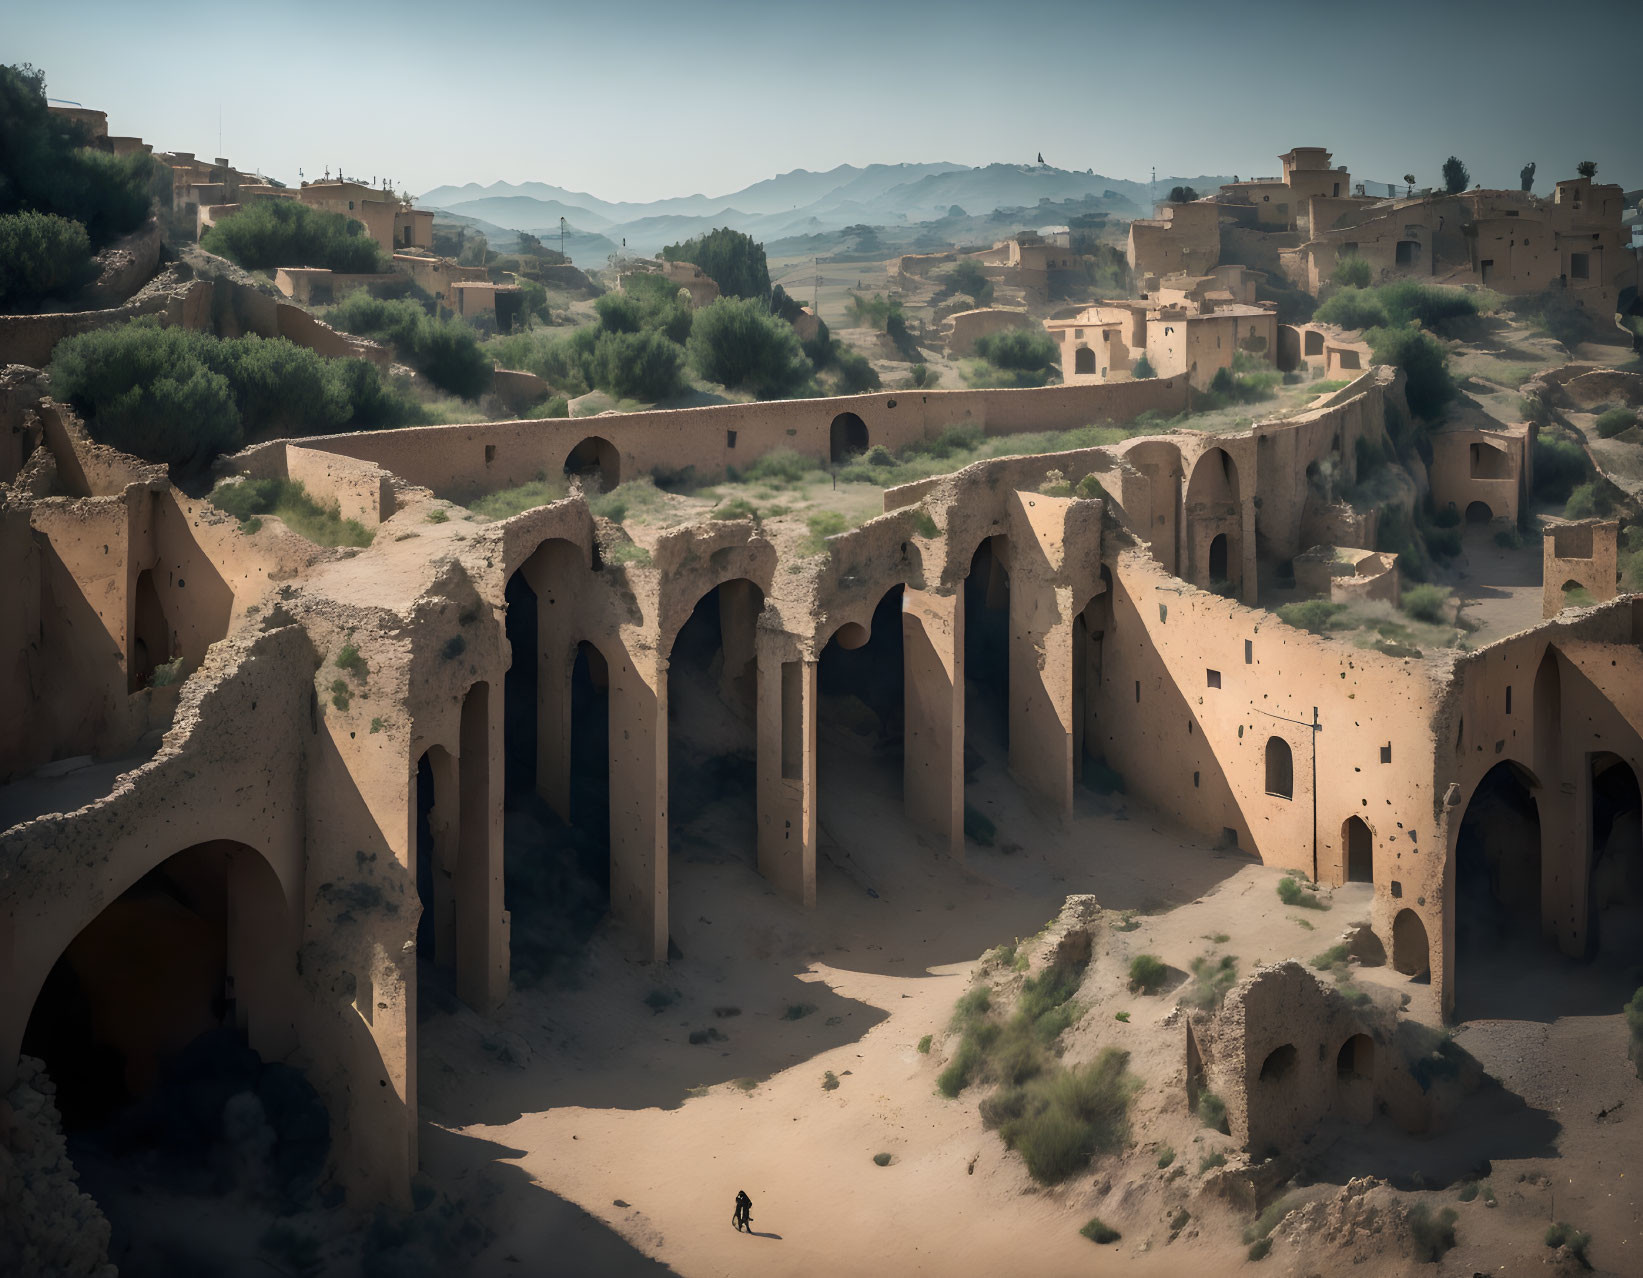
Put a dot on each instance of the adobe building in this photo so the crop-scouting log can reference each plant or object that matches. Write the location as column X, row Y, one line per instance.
column 1103, row 343
column 437, row 274
column 1483, row 473
column 387, row 219
column 482, row 297
column 305, row 748
column 1580, row 563
column 965, row 328
column 1182, row 239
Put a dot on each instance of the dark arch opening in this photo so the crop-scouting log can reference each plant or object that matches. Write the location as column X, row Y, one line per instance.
column 150, row 633
column 1356, row 1059
column 556, row 792
column 1478, row 512
column 1280, row 769
column 160, row 1027
column 1279, row 1064
column 987, row 657
column 712, row 732
column 1083, row 360
column 1218, row 558
column 1497, row 887
column 1090, row 630
column 1360, row 851
column 1615, row 890
column 1410, row 953
column 846, row 437
column 861, row 722
column 595, row 459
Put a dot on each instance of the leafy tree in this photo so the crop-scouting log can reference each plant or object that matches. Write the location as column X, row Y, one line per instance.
column 1428, row 386
column 1182, row 195
column 446, row 352
column 42, row 256
column 1527, row 176
column 1353, row 307
column 46, row 165
column 968, row 277
column 1142, row 368
column 1024, row 357
column 731, row 259
column 738, row 343
column 1455, row 176
column 181, row 397
column 782, row 304
column 1351, row 271
column 1409, row 183
column 1587, row 169
column 856, row 374
column 476, row 251
column 280, row 232
column 646, row 302
column 638, row 365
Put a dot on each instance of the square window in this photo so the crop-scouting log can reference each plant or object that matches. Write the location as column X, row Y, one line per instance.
column 1386, row 753
column 730, row 439
column 1212, row 678
column 1249, row 652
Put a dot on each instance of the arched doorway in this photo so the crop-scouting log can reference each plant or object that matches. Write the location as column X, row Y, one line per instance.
column 436, row 831
column 556, row 792
column 846, row 437
column 1410, row 953
column 1214, row 520
column 986, row 659
column 1478, row 512
column 162, row 1026
column 712, row 731
column 1497, row 885
column 1090, row 630
column 861, row 723
column 595, row 461
column 1218, row 570
column 1615, row 889
column 150, row 633
column 1359, row 843
column 1084, row 360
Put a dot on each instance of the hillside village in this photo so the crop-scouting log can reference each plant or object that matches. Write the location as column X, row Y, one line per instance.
column 1118, row 714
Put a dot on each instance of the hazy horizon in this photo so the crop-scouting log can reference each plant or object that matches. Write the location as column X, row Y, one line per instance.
column 643, row 101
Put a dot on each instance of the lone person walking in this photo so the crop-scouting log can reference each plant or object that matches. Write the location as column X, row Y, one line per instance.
column 743, row 1219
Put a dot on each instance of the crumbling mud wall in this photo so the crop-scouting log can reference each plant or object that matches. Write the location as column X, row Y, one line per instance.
column 48, row 1225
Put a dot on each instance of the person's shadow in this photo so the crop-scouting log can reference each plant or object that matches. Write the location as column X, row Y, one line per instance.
column 757, row 1234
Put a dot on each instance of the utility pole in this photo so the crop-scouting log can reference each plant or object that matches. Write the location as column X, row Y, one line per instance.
column 1152, row 189
column 561, row 237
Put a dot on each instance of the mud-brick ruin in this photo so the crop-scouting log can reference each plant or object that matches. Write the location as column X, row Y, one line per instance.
column 321, row 793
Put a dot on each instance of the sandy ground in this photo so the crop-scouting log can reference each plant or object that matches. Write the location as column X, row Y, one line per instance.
column 619, row 1146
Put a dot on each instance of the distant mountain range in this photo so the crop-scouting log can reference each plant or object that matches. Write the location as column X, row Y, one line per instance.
column 800, row 203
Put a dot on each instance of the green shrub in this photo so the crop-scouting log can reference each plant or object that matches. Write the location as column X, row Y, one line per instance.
column 1022, row 350
column 1611, row 423
column 289, row 501
column 1436, row 309
column 1066, row 1118
column 956, row 1077
column 1425, row 364
column 924, row 1045
column 42, row 256
column 1432, row 1234
column 1590, row 499
column 822, row 525
column 659, row 1000
column 1289, row 891
column 740, row 344
column 1142, row 369
column 968, row 277
column 881, row 1160
column 1564, row 1235
column 1468, row 1191
column 1098, row 1231
column 779, row 467
column 645, row 366
column 1147, row 973
column 1314, row 615
column 47, row 166
column 1211, row 979
column 446, row 352
column 1425, row 603
column 349, row 659
column 1560, row 464
column 856, row 375
column 268, row 234
column 1166, row 1156
column 1212, row 1112
column 1355, row 307
column 1209, row 1162
column 971, row 1008
column 1259, row 1248
column 830, row 1081
column 1334, row 955
column 731, row 259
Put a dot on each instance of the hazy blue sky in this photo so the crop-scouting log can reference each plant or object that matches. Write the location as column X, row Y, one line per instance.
column 648, row 98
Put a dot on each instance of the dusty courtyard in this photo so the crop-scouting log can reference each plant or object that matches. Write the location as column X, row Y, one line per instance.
column 618, row 1144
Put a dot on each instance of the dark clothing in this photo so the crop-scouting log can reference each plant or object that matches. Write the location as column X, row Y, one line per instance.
column 744, row 1212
